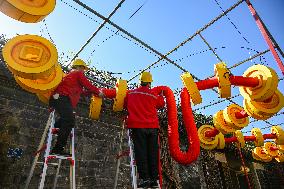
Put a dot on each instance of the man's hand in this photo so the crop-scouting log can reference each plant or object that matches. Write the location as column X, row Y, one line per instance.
column 101, row 94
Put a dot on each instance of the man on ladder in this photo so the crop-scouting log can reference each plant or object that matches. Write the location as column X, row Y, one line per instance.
column 65, row 98
column 142, row 104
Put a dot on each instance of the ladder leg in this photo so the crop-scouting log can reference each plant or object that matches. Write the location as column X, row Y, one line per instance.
column 57, row 174
column 133, row 167
column 47, row 151
column 118, row 160
column 39, row 147
column 73, row 162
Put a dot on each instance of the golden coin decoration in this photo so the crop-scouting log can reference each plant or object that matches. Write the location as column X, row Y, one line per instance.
column 29, row 11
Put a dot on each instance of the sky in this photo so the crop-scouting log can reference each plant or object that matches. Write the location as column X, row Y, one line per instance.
column 164, row 24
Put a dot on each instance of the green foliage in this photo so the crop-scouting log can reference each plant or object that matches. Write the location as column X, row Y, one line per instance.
column 3, row 41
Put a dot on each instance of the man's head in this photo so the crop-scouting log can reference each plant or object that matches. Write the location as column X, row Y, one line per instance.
column 79, row 64
column 146, row 79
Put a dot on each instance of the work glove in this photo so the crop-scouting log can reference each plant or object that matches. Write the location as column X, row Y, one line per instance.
column 101, row 94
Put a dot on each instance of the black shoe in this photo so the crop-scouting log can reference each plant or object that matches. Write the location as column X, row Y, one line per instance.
column 154, row 184
column 143, row 184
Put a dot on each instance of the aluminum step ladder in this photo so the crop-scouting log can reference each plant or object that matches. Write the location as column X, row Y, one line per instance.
column 47, row 157
column 133, row 167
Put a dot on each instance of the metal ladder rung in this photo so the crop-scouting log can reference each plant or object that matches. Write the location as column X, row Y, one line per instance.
column 60, row 157
column 49, row 132
column 48, row 163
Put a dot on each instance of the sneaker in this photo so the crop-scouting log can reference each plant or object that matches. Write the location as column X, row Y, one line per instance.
column 154, row 184
column 143, row 184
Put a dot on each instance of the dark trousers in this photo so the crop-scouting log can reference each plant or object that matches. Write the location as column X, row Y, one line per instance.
column 66, row 120
column 146, row 152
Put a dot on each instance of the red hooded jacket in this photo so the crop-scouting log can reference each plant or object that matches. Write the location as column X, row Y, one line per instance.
column 73, row 85
column 142, row 104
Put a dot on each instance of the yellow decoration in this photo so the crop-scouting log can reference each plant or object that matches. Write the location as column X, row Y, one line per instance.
column 221, row 141
column 121, row 89
column 252, row 113
column 268, row 151
column 223, row 75
column 259, row 153
column 243, row 169
column 43, row 85
column 221, row 124
column 279, row 134
column 259, row 140
column 29, row 11
column 95, row 107
column 255, row 156
column 230, row 118
column 281, row 148
column 280, row 157
column 44, row 97
column 201, row 133
column 30, row 56
column 207, row 143
column 240, row 138
column 191, row 87
column 268, row 108
column 268, row 81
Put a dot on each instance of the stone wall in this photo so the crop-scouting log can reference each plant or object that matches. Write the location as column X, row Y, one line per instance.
column 22, row 121
column 97, row 142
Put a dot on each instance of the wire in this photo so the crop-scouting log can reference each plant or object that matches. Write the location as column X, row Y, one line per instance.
column 232, row 22
column 117, row 30
column 188, row 39
column 127, row 33
column 98, row 29
column 45, row 24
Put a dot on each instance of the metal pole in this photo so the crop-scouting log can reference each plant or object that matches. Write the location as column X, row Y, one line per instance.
column 73, row 162
column 131, row 155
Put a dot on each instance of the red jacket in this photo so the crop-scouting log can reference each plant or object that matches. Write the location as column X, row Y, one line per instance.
column 142, row 104
column 73, row 85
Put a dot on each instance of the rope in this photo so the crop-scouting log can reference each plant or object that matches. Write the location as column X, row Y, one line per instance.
column 244, row 61
column 99, row 28
column 183, row 58
column 267, row 127
column 214, row 103
column 231, row 22
column 127, row 33
column 248, row 59
column 117, row 30
column 234, row 25
column 190, row 38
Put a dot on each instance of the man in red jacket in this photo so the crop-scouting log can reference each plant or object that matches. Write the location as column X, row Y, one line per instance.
column 66, row 97
column 142, row 104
